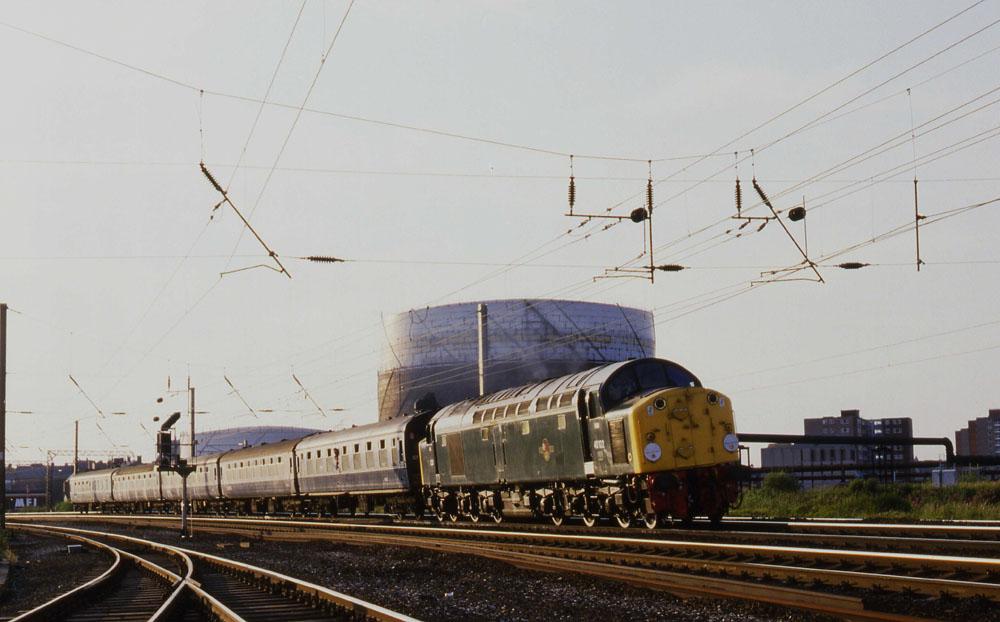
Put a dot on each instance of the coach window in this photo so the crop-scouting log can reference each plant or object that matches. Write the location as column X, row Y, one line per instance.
column 381, row 443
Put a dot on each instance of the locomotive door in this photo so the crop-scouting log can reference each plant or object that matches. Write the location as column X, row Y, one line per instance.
column 499, row 454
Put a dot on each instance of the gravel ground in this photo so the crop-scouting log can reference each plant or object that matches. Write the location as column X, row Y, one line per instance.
column 44, row 570
column 440, row 586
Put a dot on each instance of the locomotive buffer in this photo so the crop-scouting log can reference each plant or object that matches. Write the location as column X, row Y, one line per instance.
column 167, row 460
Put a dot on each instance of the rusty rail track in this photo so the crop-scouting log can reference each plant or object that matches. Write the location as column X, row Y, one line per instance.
column 800, row 577
column 132, row 588
column 211, row 588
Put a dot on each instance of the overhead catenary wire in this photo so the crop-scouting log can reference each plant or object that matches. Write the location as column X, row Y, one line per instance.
column 246, row 223
column 288, row 137
column 263, row 101
column 846, row 103
column 267, row 94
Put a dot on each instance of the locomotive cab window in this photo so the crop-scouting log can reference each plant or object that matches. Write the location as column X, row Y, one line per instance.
column 644, row 376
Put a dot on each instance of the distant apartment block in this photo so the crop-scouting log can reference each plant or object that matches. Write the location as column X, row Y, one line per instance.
column 981, row 437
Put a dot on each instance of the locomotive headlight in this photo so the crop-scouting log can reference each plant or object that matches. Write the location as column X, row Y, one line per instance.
column 652, row 452
column 731, row 443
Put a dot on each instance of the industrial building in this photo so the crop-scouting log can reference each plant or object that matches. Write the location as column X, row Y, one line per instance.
column 437, row 349
column 831, row 464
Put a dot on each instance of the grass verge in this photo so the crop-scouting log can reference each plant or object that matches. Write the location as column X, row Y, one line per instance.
column 782, row 496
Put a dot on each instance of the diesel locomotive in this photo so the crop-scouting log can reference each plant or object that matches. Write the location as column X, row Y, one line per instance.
column 639, row 441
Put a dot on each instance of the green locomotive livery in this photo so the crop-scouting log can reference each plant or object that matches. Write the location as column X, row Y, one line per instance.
column 639, row 440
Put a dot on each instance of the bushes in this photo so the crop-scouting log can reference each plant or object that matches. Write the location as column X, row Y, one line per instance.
column 779, row 481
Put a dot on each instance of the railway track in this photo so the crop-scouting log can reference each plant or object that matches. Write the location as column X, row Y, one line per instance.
column 815, row 578
column 957, row 540
column 133, row 587
column 141, row 584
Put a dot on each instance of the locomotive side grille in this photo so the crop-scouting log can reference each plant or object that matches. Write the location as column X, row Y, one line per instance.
column 456, row 454
column 619, row 452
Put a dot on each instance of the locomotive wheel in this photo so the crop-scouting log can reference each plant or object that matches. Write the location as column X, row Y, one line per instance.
column 474, row 517
column 650, row 521
column 557, row 520
column 497, row 517
column 453, row 517
column 624, row 521
column 589, row 519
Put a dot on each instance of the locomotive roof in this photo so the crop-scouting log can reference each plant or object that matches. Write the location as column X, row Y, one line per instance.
column 361, row 432
column 588, row 379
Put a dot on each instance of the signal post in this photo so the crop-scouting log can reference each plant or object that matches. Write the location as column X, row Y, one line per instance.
column 167, row 460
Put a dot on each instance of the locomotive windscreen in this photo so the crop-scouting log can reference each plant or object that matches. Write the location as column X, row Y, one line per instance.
column 644, row 376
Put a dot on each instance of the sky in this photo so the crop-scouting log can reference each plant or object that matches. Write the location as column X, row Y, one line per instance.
column 429, row 143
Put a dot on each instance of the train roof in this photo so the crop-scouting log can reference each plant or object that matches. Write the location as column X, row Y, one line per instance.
column 358, row 433
column 134, row 469
column 269, row 449
column 93, row 474
column 590, row 379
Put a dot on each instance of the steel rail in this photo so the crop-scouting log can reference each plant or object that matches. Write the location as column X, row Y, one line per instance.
column 926, row 574
column 921, row 563
column 948, row 529
column 55, row 608
column 269, row 581
column 689, row 585
column 799, row 570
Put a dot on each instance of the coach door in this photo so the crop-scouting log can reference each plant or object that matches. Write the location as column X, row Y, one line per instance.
column 499, row 454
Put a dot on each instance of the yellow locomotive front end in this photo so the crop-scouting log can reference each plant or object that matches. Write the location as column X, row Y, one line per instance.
column 682, row 428
column 686, row 453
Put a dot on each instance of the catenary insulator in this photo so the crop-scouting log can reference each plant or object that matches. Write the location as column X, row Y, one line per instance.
column 760, row 191
column 572, row 192
column 649, row 196
column 739, row 198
